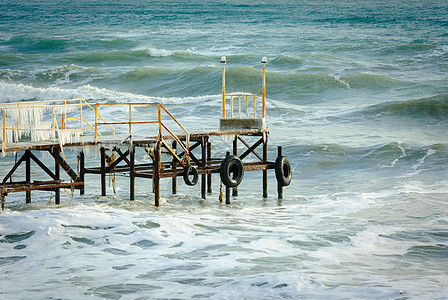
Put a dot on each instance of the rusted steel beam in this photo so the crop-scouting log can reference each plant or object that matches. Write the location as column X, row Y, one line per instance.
column 173, row 167
column 28, row 174
column 132, row 172
column 204, row 165
column 103, row 171
column 156, row 179
column 57, row 173
column 35, row 187
column 251, row 149
column 14, row 168
column 42, row 166
column 265, row 172
column 209, row 175
column 81, row 170
column 65, row 166
column 119, row 159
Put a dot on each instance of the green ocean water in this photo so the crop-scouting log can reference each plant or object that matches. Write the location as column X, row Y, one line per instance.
column 357, row 95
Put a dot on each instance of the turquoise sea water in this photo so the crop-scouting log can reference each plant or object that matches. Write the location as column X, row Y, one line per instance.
column 357, row 96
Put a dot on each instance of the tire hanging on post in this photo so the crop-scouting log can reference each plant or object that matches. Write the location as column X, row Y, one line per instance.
column 190, row 171
column 283, row 170
column 231, row 171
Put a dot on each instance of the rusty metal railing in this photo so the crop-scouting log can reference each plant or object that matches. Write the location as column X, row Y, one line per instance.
column 44, row 120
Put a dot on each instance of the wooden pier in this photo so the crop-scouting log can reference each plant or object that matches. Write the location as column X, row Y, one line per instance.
column 52, row 126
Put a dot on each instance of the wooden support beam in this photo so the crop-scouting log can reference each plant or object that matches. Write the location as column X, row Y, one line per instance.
column 209, row 175
column 14, row 168
column 28, row 174
column 122, row 156
column 265, row 159
column 103, row 171
column 204, row 141
column 156, row 178
column 42, row 166
column 132, row 172
column 174, row 166
column 235, row 152
column 64, row 165
column 2, row 199
column 57, row 174
column 82, row 171
column 227, row 188
column 251, row 149
column 279, row 185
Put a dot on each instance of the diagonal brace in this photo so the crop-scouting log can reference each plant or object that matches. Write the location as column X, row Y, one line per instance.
column 65, row 166
column 251, row 149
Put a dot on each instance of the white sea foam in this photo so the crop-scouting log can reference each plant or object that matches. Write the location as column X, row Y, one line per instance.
column 18, row 92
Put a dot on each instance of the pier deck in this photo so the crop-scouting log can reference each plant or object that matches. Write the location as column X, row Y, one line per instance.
column 55, row 125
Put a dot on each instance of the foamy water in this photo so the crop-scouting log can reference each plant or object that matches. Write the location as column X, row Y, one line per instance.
column 356, row 95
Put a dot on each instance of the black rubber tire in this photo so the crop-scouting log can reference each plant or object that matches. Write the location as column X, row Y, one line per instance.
column 190, row 170
column 231, row 171
column 283, row 170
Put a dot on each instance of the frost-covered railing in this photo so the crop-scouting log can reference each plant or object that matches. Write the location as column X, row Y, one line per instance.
column 66, row 121
column 140, row 117
column 34, row 121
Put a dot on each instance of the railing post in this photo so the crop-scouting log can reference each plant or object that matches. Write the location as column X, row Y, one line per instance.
column 64, row 113
column 264, row 61
column 159, row 116
column 223, row 61
column 80, row 115
column 4, row 131
column 130, row 120
column 18, row 123
column 96, row 123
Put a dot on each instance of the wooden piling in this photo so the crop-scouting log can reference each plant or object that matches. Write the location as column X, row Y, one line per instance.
column 174, row 166
column 2, row 199
column 57, row 175
column 204, row 141
column 265, row 159
column 81, row 171
column 28, row 174
column 103, row 171
column 209, row 175
column 156, row 176
column 227, row 188
column 279, row 185
column 132, row 172
column 235, row 152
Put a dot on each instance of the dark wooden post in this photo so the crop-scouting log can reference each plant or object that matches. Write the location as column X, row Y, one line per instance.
column 82, row 172
column 279, row 185
column 265, row 159
column 174, row 166
column 227, row 188
column 209, row 176
column 235, row 152
column 132, row 172
column 57, row 174
column 2, row 199
column 156, row 177
column 204, row 165
column 28, row 174
column 103, row 171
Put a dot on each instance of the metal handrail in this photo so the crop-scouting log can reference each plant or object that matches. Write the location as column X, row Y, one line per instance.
column 53, row 104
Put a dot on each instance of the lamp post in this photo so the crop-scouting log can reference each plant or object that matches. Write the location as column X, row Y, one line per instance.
column 264, row 61
column 223, row 61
